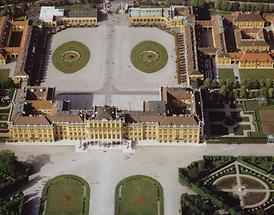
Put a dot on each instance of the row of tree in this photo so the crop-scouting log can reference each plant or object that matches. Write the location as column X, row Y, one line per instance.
column 236, row 6
column 197, row 3
column 14, row 10
column 10, row 165
column 254, row 1
column 12, row 205
column 195, row 205
column 247, row 89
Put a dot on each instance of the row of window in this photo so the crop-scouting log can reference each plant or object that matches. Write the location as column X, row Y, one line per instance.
column 148, row 20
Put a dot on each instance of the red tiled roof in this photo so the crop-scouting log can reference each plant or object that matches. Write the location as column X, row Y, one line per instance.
column 258, row 57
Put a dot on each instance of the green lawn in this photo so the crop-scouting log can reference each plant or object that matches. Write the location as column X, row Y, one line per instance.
column 251, row 105
column 139, row 195
column 4, row 111
column 256, row 74
column 226, row 74
column 75, row 65
column 149, row 56
column 4, row 75
column 65, row 195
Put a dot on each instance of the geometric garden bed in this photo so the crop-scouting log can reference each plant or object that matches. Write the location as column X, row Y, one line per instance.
column 65, row 194
column 236, row 184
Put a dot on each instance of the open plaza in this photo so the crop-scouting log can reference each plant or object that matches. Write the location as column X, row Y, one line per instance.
column 91, row 76
column 109, row 71
column 103, row 170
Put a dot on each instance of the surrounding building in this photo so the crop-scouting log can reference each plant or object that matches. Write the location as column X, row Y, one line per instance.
column 255, row 60
column 174, row 16
column 251, row 39
column 13, row 37
column 51, row 16
column 38, row 117
column 251, row 50
column 249, row 20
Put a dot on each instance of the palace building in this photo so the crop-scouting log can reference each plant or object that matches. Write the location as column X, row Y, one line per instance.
column 13, row 38
column 251, row 48
column 38, row 117
column 51, row 16
column 251, row 39
column 249, row 20
column 174, row 16
column 255, row 60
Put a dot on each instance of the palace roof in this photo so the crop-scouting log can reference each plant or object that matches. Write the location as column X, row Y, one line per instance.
column 259, row 57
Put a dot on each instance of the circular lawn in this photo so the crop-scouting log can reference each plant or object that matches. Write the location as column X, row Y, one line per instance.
column 139, row 195
column 65, row 194
column 70, row 57
column 149, row 56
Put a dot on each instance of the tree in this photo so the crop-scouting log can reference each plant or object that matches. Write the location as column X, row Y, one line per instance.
column 248, row 7
column 13, row 10
column 224, row 5
column 224, row 90
column 207, row 83
column 264, row 92
column 235, row 93
column 254, row 84
column 198, row 3
column 247, row 83
column 8, row 162
column 262, row 83
column 265, row 8
column 243, row 93
column 268, row 83
column 214, row 84
column 270, row 92
column 11, row 92
column 235, row 6
column 258, row 7
column 217, row 5
column 10, row 83
column 242, row 7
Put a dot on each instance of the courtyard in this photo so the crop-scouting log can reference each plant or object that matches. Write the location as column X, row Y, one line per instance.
column 124, row 76
column 110, row 74
column 91, row 76
column 127, row 77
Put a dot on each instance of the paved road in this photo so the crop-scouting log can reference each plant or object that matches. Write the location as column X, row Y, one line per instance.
column 103, row 171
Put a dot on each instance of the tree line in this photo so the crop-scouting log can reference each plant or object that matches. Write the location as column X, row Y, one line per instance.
column 247, row 89
column 227, row 5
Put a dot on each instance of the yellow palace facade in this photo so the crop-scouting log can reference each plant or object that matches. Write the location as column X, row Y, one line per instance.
column 51, row 131
column 106, row 123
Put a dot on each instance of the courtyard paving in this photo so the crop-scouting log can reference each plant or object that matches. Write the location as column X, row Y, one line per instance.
column 128, row 78
column 110, row 75
column 91, row 77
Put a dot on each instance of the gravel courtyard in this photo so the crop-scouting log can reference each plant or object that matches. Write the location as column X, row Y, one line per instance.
column 91, row 77
column 127, row 77
column 104, row 170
